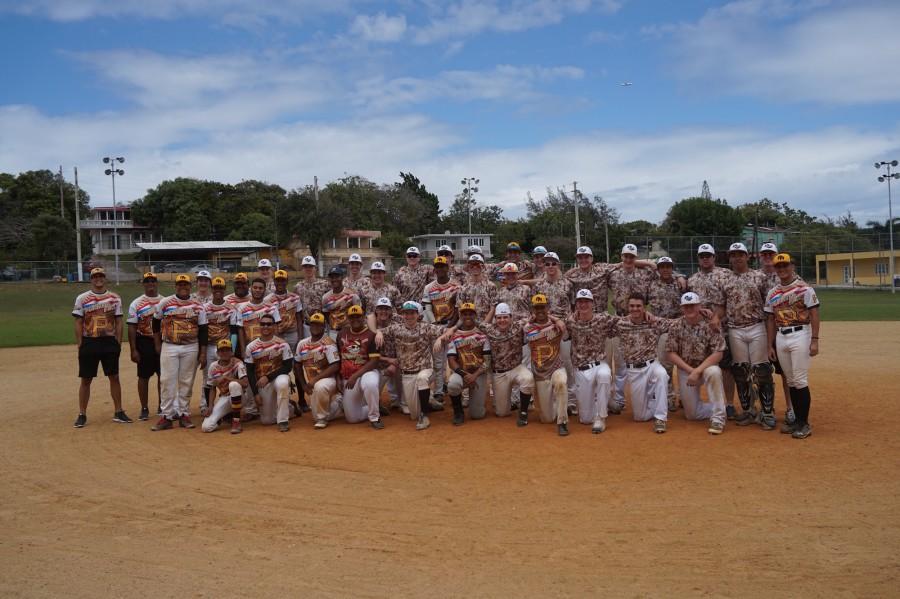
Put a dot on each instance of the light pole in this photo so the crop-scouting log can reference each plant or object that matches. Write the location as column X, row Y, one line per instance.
column 883, row 178
column 113, row 171
column 577, row 222
column 470, row 183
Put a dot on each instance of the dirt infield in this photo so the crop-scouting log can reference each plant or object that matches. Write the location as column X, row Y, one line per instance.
column 486, row 510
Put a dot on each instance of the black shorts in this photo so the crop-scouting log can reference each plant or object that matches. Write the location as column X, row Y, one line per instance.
column 98, row 350
column 149, row 359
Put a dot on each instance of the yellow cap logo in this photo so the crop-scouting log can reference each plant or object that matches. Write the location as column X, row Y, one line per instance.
column 467, row 307
column 317, row 318
column 355, row 311
column 224, row 344
column 782, row 259
column 441, row 260
column 539, row 300
column 182, row 279
column 218, row 282
column 241, row 276
column 280, row 274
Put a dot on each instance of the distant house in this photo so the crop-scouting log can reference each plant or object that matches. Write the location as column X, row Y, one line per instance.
column 339, row 249
column 428, row 244
column 858, row 268
column 112, row 231
column 763, row 235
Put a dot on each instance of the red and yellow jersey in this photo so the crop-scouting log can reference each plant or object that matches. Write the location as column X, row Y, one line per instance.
column 248, row 316
column 442, row 298
column 470, row 348
column 791, row 303
column 220, row 317
column 140, row 313
column 236, row 301
column 289, row 306
column 98, row 312
column 543, row 340
column 267, row 356
column 316, row 356
column 218, row 372
column 356, row 349
column 181, row 319
column 334, row 306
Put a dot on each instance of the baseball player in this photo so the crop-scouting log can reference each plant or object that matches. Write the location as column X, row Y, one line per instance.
column 639, row 339
column 514, row 256
column 241, row 295
column 793, row 335
column 695, row 346
column 180, row 333
column 140, row 339
column 336, row 301
column 98, row 336
column 767, row 253
column 264, row 272
column 310, row 289
column 389, row 366
column 354, row 277
column 414, row 341
column 589, row 331
column 544, row 335
column 457, row 273
column 594, row 276
column 370, row 290
column 469, row 355
column 745, row 294
column 204, row 288
column 506, row 336
column 516, row 296
column 537, row 264
column 479, row 289
column 221, row 320
column 317, row 365
column 250, row 313
column 227, row 376
column 359, row 370
column 439, row 302
column 290, row 328
column 269, row 360
column 664, row 300
column 412, row 278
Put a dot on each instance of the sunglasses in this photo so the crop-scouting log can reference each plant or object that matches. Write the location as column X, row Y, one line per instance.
column 412, row 255
column 267, row 324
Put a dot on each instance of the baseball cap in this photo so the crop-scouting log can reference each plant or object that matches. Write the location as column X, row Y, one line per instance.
column 334, row 270
column 584, row 294
column 355, row 311
column 473, row 249
column 280, row 274
column 512, row 245
column 264, row 263
column 410, row 305
column 224, row 344
column 467, row 307
column 663, row 260
column 476, row 258
column 539, row 250
column 355, row 258
column 551, row 256
column 413, row 250
column 584, row 251
column 148, row 276
column 182, row 279
column 383, row 302
column 377, row 266
column 317, row 318
column 440, row 260
column 737, row 247
column 510, row 267
column 539, row 299
column 690, row 298
column 502, row 309
column 308, row 261
column 769, row 247
column 782, row 258
column 444, row 248
column 705, row 249
column 204, row 274
column 218, row 282
column 629, row 249
column 97, row 271
column 240, row 277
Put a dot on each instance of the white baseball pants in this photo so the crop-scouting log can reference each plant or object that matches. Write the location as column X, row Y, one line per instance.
column 477, row 395
column 362, row 401
column 621, row 373
column 648, row 392
column 793, row 355
column 565, row 353
column 439, row 360
column 520, row 378
column 694, row 407
column 178, row 367
column 661, row 355
column 411, row 385
column 749, row 345
column 221, row 408
column 393, row 385
column 550, row 396
column 592, row 392
column 324, row 404
column 275, row 400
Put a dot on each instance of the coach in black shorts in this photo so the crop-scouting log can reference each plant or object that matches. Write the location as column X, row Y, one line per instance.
column 140, row 339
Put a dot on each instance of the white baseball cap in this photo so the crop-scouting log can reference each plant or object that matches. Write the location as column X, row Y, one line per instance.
column 584, row 294
column 264, row 262
column 705, row 249
column 510, row 267
column 664, row 260
column 204, row 273
column 629, row 249
column 383, row 302
column 474, row 249
column 738, row 247
column 539, row 250
column 476, row 258
column 769, row 247
column 551, row 256
column 584, row 251
column 445, row 248
column 502, row 309
column 690, row 298
column 377, row 266
column 308, row 261
column 355, row 258
column 413, row 250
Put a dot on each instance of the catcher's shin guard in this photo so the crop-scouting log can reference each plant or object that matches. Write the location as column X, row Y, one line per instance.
column 741, row 373
column 765, row 385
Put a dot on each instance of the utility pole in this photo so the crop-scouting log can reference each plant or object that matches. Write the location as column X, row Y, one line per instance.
column 113, row 171
column 888, row 177
column 77, row 229
column 62, row 213
column 316, row 197
column 577, row 222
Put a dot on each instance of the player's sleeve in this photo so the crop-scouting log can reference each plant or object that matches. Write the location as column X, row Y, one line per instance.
column 717, row 342
column 202, row 318
column 286, row 353
column 241, row 370
column 451, row 347
column 672, row 341
column 767, row 304
column 276, row 314
column 118, row 306
column 132, row 313
column 249, row 357
column 810, row 299
column 78, row 309
column 332, row 354
column 209, row 370
column 158, row 310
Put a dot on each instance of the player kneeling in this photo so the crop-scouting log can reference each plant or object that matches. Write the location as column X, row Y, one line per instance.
column 227, row 378
column 317, row 364
column 269, row 361
column 359, row 361
column 695, row 347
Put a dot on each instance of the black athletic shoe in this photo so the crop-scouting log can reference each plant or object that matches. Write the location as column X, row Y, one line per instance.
column 730, row 412
column 295, row 409
column 80, row 421
column 458, row 418
column 523, row 419
column 563, row 430
column 377, row 424
column 122, row 417
column 383, row 411
column 145, row 414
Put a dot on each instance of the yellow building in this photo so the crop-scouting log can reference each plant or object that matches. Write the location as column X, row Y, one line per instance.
column 857, row 268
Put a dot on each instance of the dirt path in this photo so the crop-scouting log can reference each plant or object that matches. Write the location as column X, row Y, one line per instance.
column 486, row 510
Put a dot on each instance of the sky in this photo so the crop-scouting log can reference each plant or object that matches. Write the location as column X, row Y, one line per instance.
column 793, row 100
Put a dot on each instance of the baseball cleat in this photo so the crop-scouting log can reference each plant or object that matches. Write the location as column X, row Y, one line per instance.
column 716, row 428
column 80, row 421
column 523, row 419
column 436, row 406
column 184, row 421
column 383, row 411
column 320, row 424
column 767, row 422
column 730, row 412
column 122, row 417
column 615, row 408
column 377, row 424
column 249, row 417
column 599, row 426
column 236, row 427
column 145, row 414
column 562, row 429
column 204, row 411
column 572, row 409
column 283, row 427
column 673, row 404
column 423, row 422
column 788, row 428
column 659, row 426
column 802, row 432
column 162, row 424
column 745, row 419
column 405, row 409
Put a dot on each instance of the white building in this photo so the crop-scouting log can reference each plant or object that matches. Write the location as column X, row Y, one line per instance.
column 112, row 231
column 458, row 242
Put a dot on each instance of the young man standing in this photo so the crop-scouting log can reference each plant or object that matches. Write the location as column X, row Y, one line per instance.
column 412, row 278
column 310, row 289
column 249, row 315
column 439, row 300
column 516, row 296
column 269, row 360
column 336, row 301
column 264, row 272
column 469, row 357
column 372, row 289
column 457, row 273
column 355, row 278
column 664, row 300
column 290, row 328
column 388, row 365
column 140, row 339
column 767, row 253
column 359, row 373
column 204, row 288
column 478, row 290
column 98, row 336
column 544, row 336
column 221, row 319
column 317, row 365
column 228, row 378
column 594, row 276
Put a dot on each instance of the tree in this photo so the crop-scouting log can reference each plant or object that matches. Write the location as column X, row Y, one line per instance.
column 430, row 221
column 313, row 222
column 703, row 218
column 52, row 238
column 485, row 219
column 767, row 213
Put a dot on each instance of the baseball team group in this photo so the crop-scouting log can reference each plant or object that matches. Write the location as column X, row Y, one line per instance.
column 520, row 336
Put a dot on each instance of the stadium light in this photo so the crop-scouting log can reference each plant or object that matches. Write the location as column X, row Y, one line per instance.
column 112, row 172
column 471, row 184
column 882, row 179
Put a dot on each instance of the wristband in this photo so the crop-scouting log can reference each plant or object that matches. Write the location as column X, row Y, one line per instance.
column 816, row 338
column 460, row 372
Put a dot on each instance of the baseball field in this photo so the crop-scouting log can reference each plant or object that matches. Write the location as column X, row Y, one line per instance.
column 483, row 510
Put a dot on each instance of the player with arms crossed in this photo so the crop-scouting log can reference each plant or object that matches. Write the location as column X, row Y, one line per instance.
column 140, row 339
column 227, row 376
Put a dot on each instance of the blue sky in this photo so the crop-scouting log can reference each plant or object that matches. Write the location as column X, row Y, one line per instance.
column 786, row 99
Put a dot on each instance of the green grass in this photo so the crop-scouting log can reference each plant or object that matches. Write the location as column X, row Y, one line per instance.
column 41, row 313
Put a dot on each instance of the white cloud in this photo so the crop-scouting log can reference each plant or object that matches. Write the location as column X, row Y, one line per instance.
column 379, row 28
column 794, row 51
